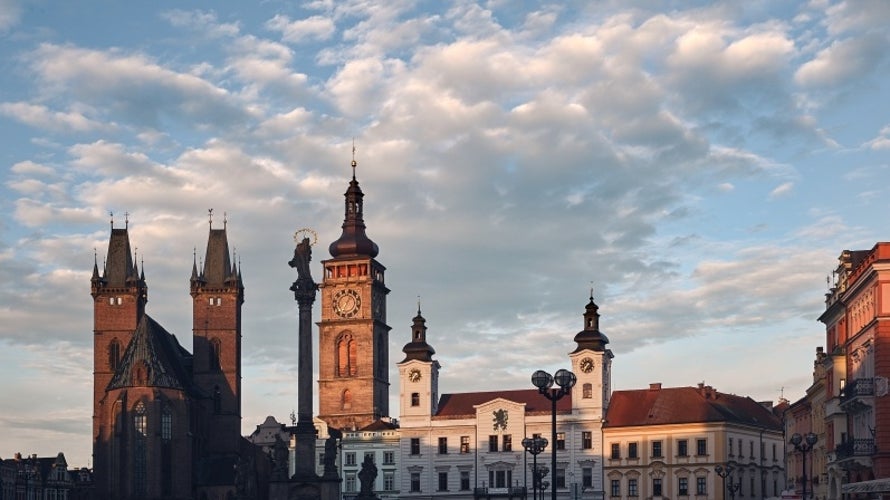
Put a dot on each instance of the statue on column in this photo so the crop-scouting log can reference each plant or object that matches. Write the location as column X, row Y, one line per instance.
column 367, row 476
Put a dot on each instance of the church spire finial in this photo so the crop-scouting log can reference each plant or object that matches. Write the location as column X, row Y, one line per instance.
column 126, row 220
column 354, row 163
column 111, row 215
column 210, row 217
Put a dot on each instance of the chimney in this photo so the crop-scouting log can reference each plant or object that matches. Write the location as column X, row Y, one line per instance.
column 655, row 386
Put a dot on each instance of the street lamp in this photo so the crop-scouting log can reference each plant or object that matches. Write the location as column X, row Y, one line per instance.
column 726, row 472
column 803, row 444
column 565, row 380
column 534, row 445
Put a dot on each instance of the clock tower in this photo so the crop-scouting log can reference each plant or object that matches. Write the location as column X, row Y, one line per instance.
column 418, row 377
column 353, row 348
column 592, row 364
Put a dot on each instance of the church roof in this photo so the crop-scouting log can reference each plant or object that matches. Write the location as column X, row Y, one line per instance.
column 119, row 268
column 680, row 405
column 153, row 358
column 463, row 404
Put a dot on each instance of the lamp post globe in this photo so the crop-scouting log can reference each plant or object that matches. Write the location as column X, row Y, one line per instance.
column 564, row 380
column 804, row 444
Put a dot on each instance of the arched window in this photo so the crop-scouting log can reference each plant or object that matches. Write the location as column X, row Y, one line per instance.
column 140, row 424
column 166, row 424
column 346, row 357
column 346, row 400
column 114, row 355
column 215, row 349
column 587, row 391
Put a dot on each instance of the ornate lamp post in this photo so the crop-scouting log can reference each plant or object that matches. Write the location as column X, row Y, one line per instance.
column 726, row 472
column 803, row 444
column 534, row 446
column 565, row 380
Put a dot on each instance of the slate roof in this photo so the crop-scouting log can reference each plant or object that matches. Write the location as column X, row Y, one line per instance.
column 157, row 353
column 119, row 266
column 461, row 405
column 680, row 405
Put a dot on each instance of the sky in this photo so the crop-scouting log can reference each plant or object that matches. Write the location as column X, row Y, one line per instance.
column 698, row 165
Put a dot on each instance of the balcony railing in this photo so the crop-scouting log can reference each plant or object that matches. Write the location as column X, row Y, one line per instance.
column 857, row 388
column 856, row 448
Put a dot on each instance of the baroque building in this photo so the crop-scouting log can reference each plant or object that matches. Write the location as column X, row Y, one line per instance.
column 855, row 368
column 166, row 422
column 666, row 443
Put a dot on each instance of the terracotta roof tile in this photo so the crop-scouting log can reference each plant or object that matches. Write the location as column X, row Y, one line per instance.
column 677, row 405
column 461, row 405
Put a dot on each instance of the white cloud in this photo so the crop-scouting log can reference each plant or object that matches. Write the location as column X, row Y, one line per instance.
column 40, row 116
column 783, row 189
column 314, row 28
column 842, row 62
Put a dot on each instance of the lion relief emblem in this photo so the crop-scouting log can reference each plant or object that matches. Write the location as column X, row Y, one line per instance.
column 500, row 419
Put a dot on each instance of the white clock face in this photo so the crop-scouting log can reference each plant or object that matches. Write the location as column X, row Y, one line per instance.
column 414, row 375
column 347, row 303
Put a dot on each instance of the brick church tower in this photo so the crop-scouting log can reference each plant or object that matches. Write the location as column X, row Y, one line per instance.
column 166, row 423
column 217, row 295
column 353, row 346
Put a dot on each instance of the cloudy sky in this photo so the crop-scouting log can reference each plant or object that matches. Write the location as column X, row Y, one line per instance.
column 701, row 165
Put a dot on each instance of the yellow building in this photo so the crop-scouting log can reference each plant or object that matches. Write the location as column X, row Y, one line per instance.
column 667, row 442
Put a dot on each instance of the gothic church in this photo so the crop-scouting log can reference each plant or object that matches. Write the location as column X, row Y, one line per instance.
column 166, row 422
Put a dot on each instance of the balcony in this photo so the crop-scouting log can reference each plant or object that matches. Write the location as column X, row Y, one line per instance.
column 858, row 394
column 855, row 448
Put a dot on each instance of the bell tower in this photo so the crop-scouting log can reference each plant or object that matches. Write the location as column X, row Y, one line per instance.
column 119, row 297
column 592, row 364
column 217, row 295
column 418, row 378
column 353, row 366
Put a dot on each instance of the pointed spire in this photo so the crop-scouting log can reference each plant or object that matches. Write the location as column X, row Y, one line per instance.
column 194, row 264
column 95, row 277
column 590, row 337
column 353, row 242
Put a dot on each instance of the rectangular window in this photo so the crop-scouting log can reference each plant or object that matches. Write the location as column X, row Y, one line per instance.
column 350, row 482
column 730, row 446
column 443, row 481
column 656, row 487
column 465, row 480
column 415, row 482
column 560, row 479
column 415, row 399
column 321, row 459
column 415, row 446
column 683, row 486
column 751, row 449
column 740, row 449
column 632, row 487
column 492, row 443
column 443, row 446
column 507, row 442
column 389, row 458
column 701, row 447
column 586, row 440
column 682, row 450
column 656, row 449
column 632, row 450
column 350, row 458
column 465, row 444
column 616, row 487
column 701, row 486
column 586, row 477
column 560, row 440
column 616, row 451
column 389, row 480
column 774, row 452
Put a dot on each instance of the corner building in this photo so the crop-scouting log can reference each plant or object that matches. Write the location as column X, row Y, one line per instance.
column 166, row 422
